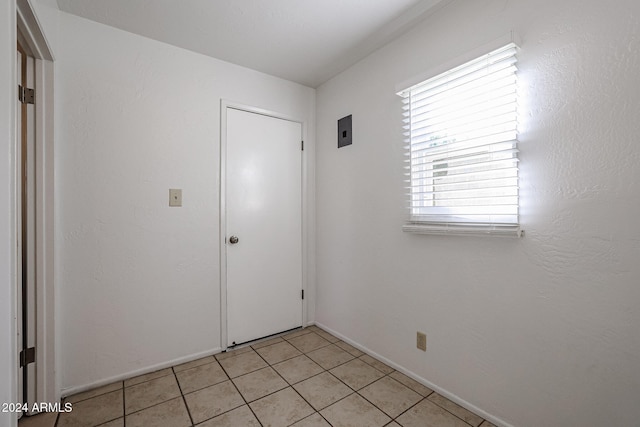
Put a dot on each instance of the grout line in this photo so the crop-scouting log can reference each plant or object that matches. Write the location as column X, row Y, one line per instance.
column 147, row 407
column 333, row 367
column 298, row 382
column 445, row 409
column 211, row 385
column 409, row 388
column 312, row 350
column 193, row 367
column 184, row 400
column 408, row 409
column 289, row 385
column 151, row 379
column 333, row 375
column 279, row 361
column 62, row 399
column 202, row 388
column 322, row 416
column 360, row 358
column 238, row 390
column 110, row 421
column 307, row 331
column 376, row 406
column 266, row 395
column 316, row 411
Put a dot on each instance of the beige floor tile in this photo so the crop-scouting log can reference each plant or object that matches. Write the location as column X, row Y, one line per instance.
column 349, row 348
column 242, row 363
column 326, row 335
column 428, row 414
column 296, row 333
column 354, row 411
column 278, row 352
column 297, row 369
column 95, row 411
column 213, row 401
column 322, row 390
column 390, row 396
column 393, row 424
column 171, row 413
column 309, row 342
column 314, row 420
column 149, row 393
column 115, row 423
column 356, row 374
column 330, row 356
column 147, row 377
column 94, row 392
column 47, row 419
column 266, row 342
column 376, row 364
column 258, row 384
column 486, row 423
column 194, row 363
column 456, row 409
column 239, row 417
column 411, row 383
column 200, row 377
column 281, row 409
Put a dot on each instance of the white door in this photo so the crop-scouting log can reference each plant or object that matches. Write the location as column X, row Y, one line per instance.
column 264, row 213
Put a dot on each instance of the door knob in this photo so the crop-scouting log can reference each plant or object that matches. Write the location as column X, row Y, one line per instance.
column 233, row 240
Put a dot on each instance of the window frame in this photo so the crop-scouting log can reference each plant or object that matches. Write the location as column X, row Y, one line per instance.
column 456, row 223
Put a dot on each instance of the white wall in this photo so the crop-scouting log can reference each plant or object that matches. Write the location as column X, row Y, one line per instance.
column 540, row 331
column 8, row 349
column 138, row 281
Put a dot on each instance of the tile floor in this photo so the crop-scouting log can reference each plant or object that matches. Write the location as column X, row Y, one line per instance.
column 306, row 378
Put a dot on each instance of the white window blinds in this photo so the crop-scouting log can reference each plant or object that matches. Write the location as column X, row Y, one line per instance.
column 461, row 141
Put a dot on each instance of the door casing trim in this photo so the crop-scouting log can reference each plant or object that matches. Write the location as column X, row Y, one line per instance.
column 27, row 23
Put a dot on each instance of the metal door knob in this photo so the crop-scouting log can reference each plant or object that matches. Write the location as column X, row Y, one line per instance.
column 233, row 240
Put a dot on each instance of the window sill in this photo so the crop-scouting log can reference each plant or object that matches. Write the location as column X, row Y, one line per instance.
column 464, row 229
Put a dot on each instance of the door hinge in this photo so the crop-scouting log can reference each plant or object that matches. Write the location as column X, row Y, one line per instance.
column 302, row 145
column 303, row 294
column 27, row 356
column 26, row 95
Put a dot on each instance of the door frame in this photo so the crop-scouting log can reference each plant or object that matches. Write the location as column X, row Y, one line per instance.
column 32, row 37
column 224, row 106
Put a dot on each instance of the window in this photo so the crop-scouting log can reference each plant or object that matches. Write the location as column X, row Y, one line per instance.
column 462, row 154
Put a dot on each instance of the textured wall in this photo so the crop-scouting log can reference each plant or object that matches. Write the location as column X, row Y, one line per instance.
column 139, row 281
column 536, row 331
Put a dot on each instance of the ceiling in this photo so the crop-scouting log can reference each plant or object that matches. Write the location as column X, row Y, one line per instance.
column 305, row 41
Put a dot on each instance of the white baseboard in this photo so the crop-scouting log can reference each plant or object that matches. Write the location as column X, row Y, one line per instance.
column 79, row 389
column 497, row 421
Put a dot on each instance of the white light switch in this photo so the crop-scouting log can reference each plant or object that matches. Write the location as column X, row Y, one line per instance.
column 175, row 197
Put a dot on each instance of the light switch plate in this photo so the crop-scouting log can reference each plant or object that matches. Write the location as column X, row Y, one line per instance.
column 175, row 197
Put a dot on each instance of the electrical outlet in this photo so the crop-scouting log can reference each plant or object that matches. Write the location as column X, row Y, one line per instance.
column 421, row 341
